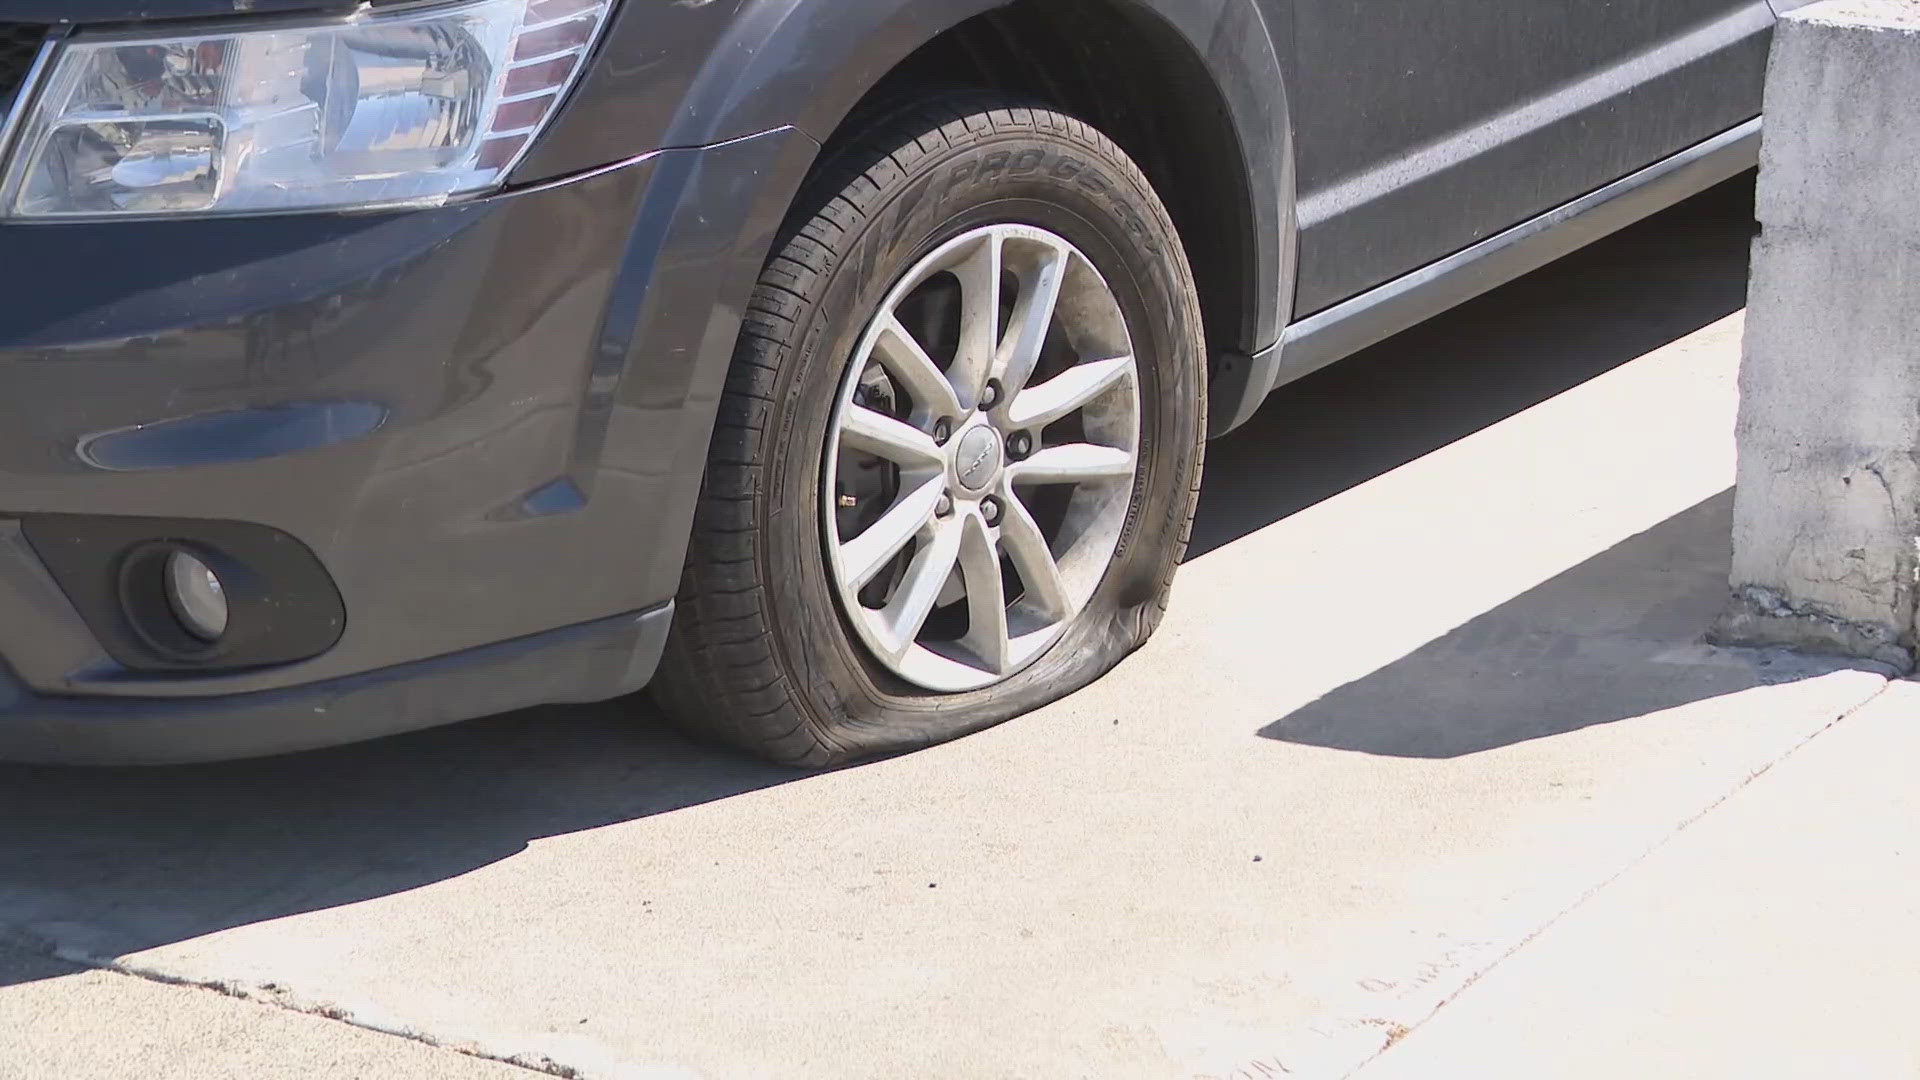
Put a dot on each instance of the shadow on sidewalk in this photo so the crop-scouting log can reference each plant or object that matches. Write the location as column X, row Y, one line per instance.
column 111, row 862
column 1617, row 637
column 1481, row 363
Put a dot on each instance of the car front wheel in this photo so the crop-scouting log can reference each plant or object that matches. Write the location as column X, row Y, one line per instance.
column 957, row 457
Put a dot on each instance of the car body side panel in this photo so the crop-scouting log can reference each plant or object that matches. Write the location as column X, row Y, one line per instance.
column 1423, row 128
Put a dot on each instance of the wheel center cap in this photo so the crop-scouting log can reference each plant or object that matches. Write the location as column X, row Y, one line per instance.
column 976, row 458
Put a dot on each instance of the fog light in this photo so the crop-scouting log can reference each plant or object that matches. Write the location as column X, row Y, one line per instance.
column 198, row 599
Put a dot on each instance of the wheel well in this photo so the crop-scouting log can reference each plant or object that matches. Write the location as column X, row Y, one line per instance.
column 1090, row 58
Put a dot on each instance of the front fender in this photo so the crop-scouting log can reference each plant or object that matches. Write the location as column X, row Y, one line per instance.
column 691, row 73
column 1241, row 49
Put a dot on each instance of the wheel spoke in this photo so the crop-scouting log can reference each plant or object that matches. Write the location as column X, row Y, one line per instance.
column 1032, row 318
column 900, row 353
column 986, row 595
column 865, row 555
column 927, row 574
column 1071, row 464
column 1024, row 543
column 979, row 276
column 1038, row 406
column 877, row 433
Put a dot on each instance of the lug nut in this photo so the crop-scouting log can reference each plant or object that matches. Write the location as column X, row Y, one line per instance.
column 944, row 507
column 991, row 397
column 1019, row 445
column 990, row 509
column 942, row 431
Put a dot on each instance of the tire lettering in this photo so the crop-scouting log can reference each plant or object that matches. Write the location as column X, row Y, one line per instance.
column 1028, row 160
column 960, row 174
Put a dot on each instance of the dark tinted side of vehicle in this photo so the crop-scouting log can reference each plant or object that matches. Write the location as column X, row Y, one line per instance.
column 1422, row 128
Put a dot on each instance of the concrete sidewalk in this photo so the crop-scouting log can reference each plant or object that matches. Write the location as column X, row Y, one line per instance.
column 58, row 1020
column 1774, row 937
column 1433, row 676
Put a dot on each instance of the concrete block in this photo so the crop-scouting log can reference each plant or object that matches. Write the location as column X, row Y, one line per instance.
column 1827, row 514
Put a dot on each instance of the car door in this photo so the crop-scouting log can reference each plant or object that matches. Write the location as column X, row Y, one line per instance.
column 1424, row 126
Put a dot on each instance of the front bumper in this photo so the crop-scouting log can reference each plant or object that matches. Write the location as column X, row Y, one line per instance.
column 486, row 421
column 577, row 663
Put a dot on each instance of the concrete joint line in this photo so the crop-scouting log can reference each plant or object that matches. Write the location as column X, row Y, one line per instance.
column 1396, row 1029
column 278, row 997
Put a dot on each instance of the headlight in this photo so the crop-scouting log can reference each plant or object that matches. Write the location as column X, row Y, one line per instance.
column 407, row 108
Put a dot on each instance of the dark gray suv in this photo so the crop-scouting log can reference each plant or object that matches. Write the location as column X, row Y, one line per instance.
column 840, row 368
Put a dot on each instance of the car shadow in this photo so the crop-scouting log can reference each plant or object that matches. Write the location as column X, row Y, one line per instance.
column 111, row 862
column 1475, row 366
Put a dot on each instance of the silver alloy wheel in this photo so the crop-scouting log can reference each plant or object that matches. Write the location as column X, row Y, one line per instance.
column 979, row 471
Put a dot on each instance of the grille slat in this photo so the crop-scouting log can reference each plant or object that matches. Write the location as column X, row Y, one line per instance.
column 19, row 44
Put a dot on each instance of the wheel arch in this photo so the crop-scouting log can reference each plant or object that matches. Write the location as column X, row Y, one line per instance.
column 1211, row 132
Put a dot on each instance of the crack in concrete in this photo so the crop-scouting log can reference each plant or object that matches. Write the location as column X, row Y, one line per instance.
column 1905, row 564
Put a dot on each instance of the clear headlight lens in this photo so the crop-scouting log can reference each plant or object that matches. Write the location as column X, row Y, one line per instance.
column 411, row 107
